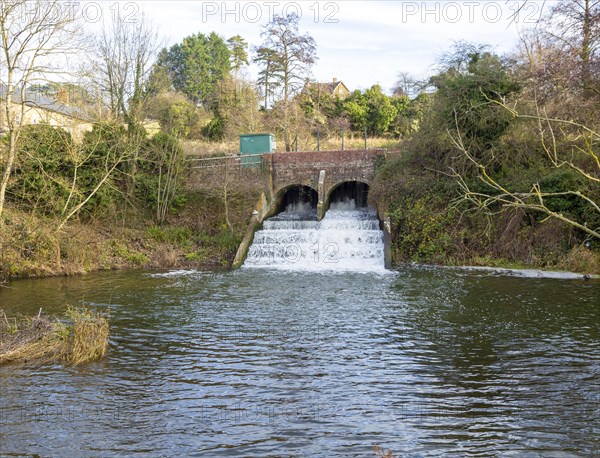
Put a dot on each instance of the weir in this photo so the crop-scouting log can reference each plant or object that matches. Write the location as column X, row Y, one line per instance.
column 347, row 238
column 334, row 185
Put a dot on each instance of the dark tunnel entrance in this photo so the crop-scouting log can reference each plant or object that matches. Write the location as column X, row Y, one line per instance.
column 298, row 198
column 351, row 190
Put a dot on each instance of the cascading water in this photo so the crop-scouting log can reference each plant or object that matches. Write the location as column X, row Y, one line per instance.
column 347, row 239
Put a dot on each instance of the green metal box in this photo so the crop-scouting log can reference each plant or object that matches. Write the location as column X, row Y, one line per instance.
column 254, row 145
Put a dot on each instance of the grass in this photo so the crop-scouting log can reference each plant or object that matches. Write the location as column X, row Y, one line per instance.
column 180, row 236
column 210, row 149
column 80, row 337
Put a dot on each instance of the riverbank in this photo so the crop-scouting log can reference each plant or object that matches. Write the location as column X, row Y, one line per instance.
column 127, row 238
column 35, row 251
column 197, row 237
column 432, row 224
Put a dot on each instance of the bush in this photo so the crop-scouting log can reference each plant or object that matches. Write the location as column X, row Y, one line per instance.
column 42, row 176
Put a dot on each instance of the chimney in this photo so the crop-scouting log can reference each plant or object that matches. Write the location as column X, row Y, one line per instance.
column 335, row 80
column 62, row 96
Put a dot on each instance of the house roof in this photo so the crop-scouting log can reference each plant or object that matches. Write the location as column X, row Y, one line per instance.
column 329, row 87
column 37, row 100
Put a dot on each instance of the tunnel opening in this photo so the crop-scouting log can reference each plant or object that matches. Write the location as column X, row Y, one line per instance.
column 298, row 199
column 353, row 193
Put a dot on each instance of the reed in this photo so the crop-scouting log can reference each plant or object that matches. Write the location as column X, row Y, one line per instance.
column 79, row 337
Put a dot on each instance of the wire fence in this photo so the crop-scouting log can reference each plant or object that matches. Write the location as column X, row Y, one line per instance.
column 236, row 161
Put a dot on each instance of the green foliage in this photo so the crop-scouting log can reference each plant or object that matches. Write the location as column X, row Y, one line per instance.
column 318, row 104
column 176, row 235
column 380, row 110
column 466, row 91
column 563, row 180
column 379, row 113
column 54, row 175
column 238, row 48
column 236, row 110
column 42, row 177
column 160, row 184
column 422, row 231
column 105, row 145
column 214, row 130
column 224, row 242
column 178, row 117
column 196, row 65
column 356, row 110
column 128, row 254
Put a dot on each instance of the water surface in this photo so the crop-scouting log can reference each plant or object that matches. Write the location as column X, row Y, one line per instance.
column 423, row 361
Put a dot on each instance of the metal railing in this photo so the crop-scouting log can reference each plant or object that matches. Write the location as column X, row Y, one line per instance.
column 223, row 162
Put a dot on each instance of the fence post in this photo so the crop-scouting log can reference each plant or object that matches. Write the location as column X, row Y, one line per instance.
column 318, row 140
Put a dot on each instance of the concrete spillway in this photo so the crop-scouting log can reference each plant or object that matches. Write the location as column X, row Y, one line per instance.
column 346, row 239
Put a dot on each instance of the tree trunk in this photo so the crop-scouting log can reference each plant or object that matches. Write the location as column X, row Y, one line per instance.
column 586, row 51
column 12, row 144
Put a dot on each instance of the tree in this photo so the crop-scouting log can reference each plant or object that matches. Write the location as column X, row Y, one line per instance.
column 176, row 114
column 160, row 78
column 165, row 164
column 196, row 65
column 267, row 59
column 238, row 49
column 381, row 111
column 567, row 146
column 94, row 167
column 355, row 108
column 41, row 178
column 62, row 178
column 408, row 85
column 32, row 46
column 126, row 52
column 471, row 80
column 289, row 61
column 237, row 107
column 575, row 24
column 372, row 110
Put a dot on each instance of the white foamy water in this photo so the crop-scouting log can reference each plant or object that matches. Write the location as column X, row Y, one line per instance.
column 347, row 239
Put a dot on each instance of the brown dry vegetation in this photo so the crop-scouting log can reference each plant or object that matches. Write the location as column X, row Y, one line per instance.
column 196, row 236
column 202, row 148
column 80, row 337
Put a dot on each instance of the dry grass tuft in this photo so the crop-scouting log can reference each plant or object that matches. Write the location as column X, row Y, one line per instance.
column 89, row 336
column 81, row 337
column 381, row 453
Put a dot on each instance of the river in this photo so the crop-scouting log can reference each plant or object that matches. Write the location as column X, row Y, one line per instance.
column 258, row 362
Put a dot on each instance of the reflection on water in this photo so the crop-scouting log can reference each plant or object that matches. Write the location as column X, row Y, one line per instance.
column 425, row 362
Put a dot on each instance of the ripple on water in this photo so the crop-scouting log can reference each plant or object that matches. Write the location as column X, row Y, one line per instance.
column 425, row 362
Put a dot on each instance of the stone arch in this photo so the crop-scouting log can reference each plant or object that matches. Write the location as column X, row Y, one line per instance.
column 292, row 193
column 354, row 189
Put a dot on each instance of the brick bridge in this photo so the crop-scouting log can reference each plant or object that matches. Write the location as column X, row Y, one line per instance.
column 322, row 171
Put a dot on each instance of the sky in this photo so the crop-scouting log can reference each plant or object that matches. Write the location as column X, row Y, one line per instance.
column 358, row 42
